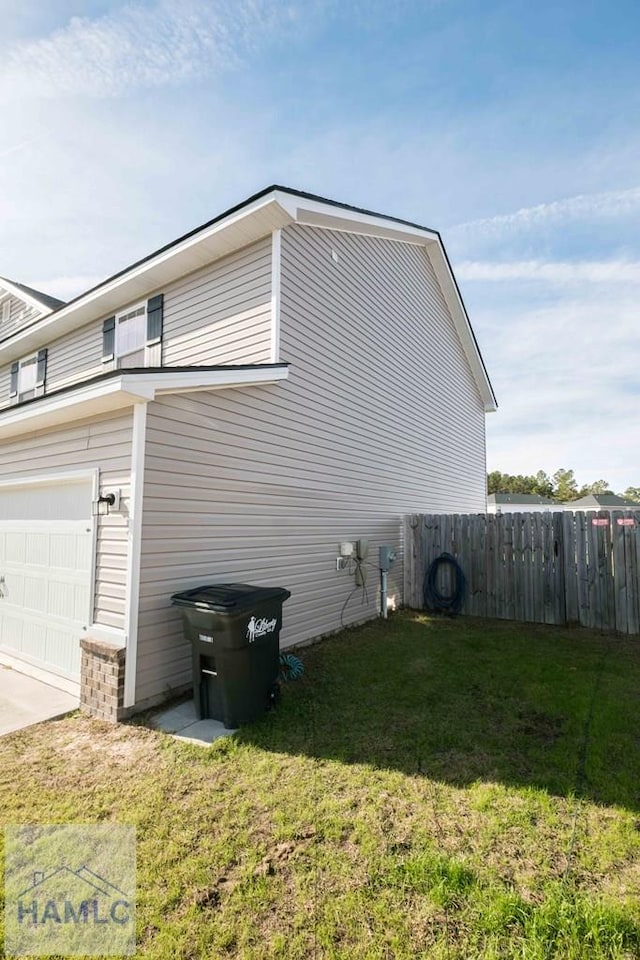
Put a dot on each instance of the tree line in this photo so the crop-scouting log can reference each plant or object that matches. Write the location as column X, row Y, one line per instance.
column 561, row 486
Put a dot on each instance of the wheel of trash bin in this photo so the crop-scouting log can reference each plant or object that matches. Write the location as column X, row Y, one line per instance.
column 274, row 694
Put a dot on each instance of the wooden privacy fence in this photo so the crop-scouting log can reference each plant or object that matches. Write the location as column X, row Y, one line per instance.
column 538, row 567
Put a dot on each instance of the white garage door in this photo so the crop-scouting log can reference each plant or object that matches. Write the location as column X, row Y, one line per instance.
column 46, row 547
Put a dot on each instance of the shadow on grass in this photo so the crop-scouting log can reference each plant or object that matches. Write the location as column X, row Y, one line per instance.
column 466, row 700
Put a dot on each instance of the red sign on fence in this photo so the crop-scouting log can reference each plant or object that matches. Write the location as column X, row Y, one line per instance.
column 600, row 522
column 626, row 522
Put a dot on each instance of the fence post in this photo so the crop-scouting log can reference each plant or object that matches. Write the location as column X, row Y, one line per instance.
column 559, row 579
column 570, row 569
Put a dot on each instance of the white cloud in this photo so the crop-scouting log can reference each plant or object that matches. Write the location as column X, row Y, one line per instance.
column 566, row 377
column 610, row 204
column 140, row 45
column 563, row 272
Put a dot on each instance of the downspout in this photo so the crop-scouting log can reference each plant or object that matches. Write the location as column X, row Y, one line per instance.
column 134, row 550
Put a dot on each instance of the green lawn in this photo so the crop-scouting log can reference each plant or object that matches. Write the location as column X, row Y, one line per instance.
column 432, row 788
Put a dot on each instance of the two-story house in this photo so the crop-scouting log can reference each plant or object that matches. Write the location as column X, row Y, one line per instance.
column 293, row 374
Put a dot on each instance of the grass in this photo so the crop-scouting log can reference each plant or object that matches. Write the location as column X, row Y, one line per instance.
column 432, row 788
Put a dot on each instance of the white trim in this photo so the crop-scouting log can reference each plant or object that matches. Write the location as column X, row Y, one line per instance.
column 276, row 260
column 461, row 321
column 126, row 390
column 31, row 359
column 95, row 493
column 19, row 294
column 99, row 631
column 314, row 214
column 48, row 478
column 182, row 381
column 134, row 551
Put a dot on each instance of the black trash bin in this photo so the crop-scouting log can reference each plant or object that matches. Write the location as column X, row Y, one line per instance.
column 234, row 630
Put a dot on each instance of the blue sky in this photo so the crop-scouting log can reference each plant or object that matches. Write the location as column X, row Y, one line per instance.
column 511, row 127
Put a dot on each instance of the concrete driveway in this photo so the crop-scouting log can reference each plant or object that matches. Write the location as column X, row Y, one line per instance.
column 24, row 701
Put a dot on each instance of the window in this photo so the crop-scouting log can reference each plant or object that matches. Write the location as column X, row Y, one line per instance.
column 131, row 337
column 28, row 377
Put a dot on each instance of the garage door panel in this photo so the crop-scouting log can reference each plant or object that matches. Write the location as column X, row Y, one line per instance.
column 15, row 548
column 36, row 549
column 64, row 551
column 13, row 589
column 46, row 563
column 59, row 651
column 31, row 644
column 61, row 599
column 34, row 597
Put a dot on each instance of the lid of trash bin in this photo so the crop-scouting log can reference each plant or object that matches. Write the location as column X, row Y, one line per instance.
column 229, row 597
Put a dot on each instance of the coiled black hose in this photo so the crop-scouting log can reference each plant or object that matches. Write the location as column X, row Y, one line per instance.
column 436, row 601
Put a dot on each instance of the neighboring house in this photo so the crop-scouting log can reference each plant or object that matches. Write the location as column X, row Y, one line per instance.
column 519, row 503
column 290, row 375
column 601, row 501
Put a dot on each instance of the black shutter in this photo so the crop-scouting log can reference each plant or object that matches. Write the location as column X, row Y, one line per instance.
column 41, row 373
column 108, row 339
column 15, row 368
column 155, row 311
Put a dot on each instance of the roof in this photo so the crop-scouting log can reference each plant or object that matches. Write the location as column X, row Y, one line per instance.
column 518, row 498
column 53, row 302
column 606, row 500
column 260, row 215
column 34, row 297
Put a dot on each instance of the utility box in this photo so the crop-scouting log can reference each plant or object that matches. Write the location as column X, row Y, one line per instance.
column 234, row 631
column 387, row 557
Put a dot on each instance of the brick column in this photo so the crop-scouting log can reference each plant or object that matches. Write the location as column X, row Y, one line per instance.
column 102, row 679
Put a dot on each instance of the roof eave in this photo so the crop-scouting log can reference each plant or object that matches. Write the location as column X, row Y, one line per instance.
column 259, row 216
column 125, row 388
column 25, row 297
column 141, row 280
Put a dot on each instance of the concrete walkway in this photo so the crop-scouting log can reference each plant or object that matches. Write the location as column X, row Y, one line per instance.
column 24, row 701
column 182, row 723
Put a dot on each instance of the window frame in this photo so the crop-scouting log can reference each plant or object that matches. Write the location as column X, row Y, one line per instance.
column 30, row 360
column 131, row 312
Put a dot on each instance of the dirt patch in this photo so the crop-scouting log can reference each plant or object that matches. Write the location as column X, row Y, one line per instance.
column 79, row 749
column 118, row 743
column 540, row 726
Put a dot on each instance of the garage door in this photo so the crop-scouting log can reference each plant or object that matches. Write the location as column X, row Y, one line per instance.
column 46, row 546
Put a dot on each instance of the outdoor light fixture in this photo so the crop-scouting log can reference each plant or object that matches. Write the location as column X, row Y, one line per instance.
column 102, row 506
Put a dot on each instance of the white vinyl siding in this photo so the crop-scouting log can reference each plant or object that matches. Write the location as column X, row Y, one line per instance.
column 20, row 315
column 105, row 444
column 222, row 313
column 75, row 357
column 219, row 315
column 5, row 386
column 380, row 417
